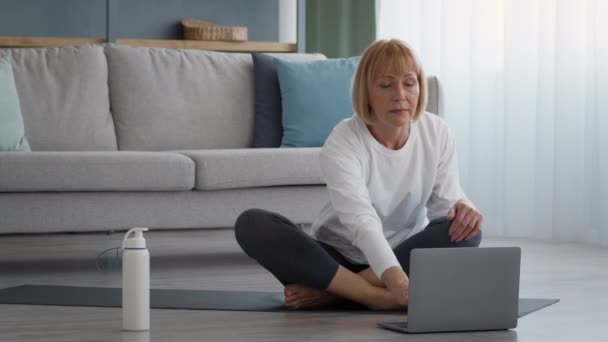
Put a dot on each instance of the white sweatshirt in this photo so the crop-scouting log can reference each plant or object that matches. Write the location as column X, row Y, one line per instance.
column 378, row 196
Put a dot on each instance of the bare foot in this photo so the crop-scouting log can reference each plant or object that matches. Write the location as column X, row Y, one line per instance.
column 382, row 299
column 354, row 287
column 305, row 297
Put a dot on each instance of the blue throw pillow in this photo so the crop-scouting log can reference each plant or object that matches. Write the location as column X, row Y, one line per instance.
column 12, row 133
column 316, row 95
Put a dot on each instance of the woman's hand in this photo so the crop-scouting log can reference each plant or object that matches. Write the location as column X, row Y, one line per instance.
column 466, row 221
column 397, row 283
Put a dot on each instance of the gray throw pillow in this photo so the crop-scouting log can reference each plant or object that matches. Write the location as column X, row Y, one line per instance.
column 268, row 129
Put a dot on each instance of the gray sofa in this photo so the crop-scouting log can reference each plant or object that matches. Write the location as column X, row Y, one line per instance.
column 124, row 136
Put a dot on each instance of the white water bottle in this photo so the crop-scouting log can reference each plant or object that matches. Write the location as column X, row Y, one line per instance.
column 135, row 282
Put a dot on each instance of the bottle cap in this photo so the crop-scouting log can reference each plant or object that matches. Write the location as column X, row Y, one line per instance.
column 136, row 242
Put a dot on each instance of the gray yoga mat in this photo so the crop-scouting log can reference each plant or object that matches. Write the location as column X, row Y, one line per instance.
column 186, row 299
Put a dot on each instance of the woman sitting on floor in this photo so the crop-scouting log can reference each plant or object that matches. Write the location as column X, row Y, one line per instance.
column 389, row 168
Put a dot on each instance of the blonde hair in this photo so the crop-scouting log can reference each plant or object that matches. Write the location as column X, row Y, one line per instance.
column 380, row 57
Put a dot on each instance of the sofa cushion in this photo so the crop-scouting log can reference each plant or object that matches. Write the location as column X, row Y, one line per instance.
column 268, row 128
column 95, row 171
column 248, row 168
column 63, row 93
column 164, row 99
column 12, row 134
column 316, row 95
column 26, row 212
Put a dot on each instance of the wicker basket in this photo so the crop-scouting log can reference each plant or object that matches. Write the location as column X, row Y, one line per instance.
column 199, row 30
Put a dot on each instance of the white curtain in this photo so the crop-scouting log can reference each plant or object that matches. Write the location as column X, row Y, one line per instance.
column 526, row 85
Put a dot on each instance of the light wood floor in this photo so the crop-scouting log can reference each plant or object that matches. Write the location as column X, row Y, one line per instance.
column 210, row 259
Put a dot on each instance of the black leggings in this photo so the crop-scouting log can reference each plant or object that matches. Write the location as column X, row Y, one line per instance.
column 293, row 257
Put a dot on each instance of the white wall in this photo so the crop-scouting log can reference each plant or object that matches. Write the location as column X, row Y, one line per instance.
column 287, row 21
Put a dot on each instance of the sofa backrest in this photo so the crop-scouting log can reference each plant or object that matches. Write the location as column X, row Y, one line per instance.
column 64, row 99
column 160, row 99
column 168, row 99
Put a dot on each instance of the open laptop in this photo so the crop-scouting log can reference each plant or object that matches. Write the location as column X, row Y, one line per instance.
column 461, row 289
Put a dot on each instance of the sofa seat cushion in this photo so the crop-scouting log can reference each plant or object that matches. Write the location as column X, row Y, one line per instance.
column 95, row 171
column 249, row 168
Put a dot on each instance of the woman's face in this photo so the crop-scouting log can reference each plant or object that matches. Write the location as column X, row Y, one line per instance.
column 393, row 97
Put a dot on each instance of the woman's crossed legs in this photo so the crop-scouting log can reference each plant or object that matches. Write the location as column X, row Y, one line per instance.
column 316, row 275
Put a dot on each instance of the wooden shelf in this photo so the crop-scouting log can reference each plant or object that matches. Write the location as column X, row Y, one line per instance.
column 211, row 45
column 46, row 41
column 159, row 43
